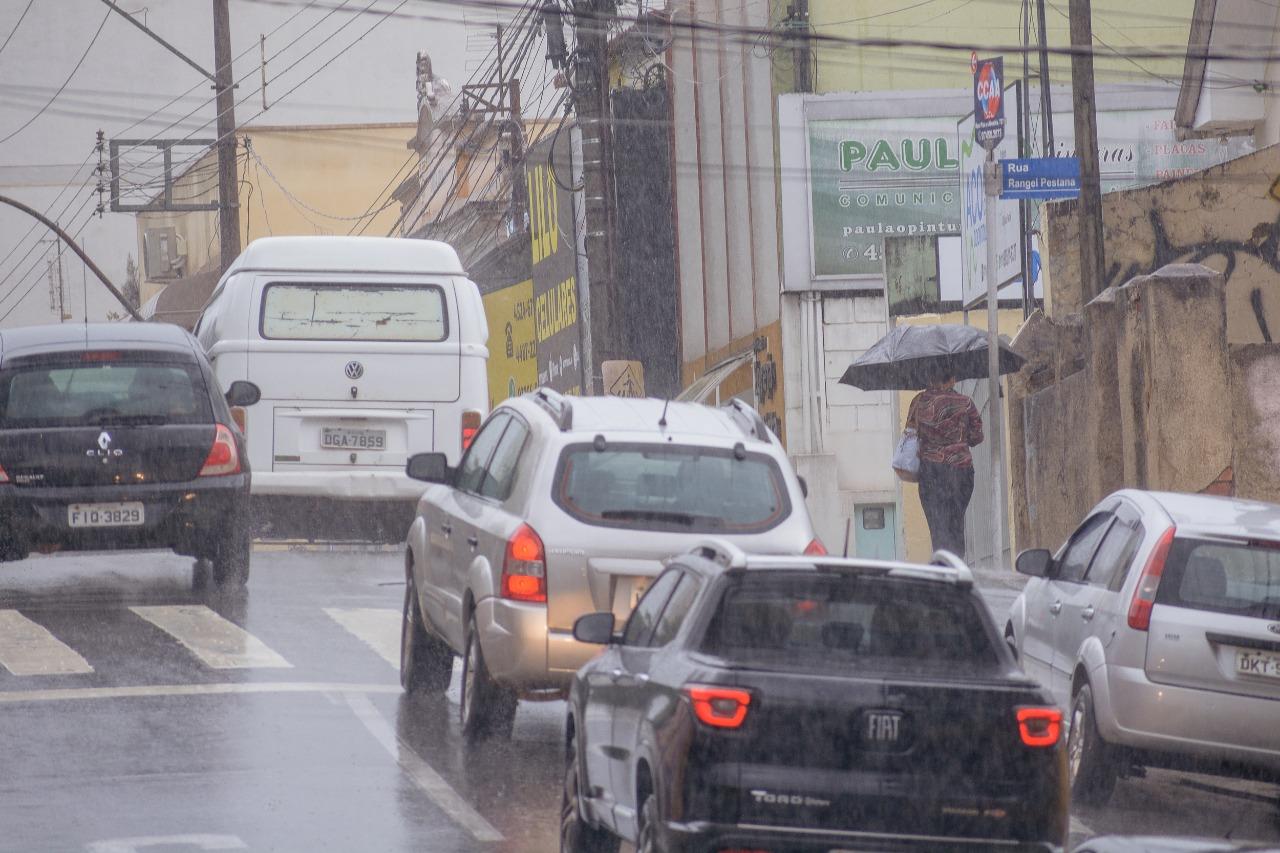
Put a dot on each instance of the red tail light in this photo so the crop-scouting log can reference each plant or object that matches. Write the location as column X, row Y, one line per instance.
column 223, row 457
column 815, row 549
column 240, row 416
column 719, row 707
column 1039, row 726
column 1144, row 597
column 99, row 355
column 524, row 572
column 4, row 477
column 470, row 426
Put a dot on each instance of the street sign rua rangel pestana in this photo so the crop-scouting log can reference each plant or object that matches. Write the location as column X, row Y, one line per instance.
column 988, row 102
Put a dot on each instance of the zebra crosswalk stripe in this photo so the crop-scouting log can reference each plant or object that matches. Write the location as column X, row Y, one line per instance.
column 27, row 648
column 376, row 627
column 218, row 642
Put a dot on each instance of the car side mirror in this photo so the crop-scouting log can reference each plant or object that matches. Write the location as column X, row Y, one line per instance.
column 804, row 485
column 1036, row 563
column 429, row 467
column 243, row 393
column 595, row 628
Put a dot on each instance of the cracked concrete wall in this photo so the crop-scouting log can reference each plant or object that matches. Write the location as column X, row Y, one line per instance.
column 1056, row 473
column 1255, row 386
column 1226, row 217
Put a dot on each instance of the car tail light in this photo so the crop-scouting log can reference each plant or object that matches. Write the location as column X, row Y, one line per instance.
column 1144, row 597
column 815, row 549
column 524, row 571
column 223, row 457
column 241, row 416
column 1039, row 726
column 100, row 355
column 4, row 477
column 470, row 426
column 719, row 707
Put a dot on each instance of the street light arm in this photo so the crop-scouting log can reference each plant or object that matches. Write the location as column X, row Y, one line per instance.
column 75, row 247
column 131, row 19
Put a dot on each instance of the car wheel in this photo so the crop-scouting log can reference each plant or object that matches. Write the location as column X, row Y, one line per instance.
column 1090, row 761
column 576, row 835
column 231, row 555
column 649, row 840
column 486, row 707
column 426, row 663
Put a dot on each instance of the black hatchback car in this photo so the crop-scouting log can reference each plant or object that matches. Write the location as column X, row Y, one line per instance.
column 117, row 436
column 805, row 704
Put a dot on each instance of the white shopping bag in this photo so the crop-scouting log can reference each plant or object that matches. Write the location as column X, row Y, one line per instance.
column 906, row 457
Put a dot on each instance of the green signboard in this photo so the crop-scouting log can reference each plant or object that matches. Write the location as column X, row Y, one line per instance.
column 876, row 178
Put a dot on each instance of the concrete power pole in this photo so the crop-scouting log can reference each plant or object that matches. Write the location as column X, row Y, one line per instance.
column 228, row 179
column 591, row 94
column 1084, row 96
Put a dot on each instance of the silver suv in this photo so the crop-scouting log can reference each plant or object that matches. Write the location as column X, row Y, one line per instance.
column 565, row 506
column 1157, row 625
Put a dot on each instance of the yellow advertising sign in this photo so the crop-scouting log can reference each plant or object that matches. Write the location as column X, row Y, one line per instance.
column 513, row 342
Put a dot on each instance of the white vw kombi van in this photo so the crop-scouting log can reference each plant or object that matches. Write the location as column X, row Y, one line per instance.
column 367, row 350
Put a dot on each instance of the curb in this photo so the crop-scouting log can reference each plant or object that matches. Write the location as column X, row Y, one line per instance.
column 279, row 546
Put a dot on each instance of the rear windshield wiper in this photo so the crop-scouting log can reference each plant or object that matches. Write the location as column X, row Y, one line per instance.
column 682, row 518
column 129, row 420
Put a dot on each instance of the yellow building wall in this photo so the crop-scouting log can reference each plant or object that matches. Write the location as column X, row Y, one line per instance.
column 915, row 530
column 1117, row 24
column 765, row 372
column 315, row 180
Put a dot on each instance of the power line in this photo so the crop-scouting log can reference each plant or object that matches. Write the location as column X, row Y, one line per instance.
column 14, row 31
column 80, row 62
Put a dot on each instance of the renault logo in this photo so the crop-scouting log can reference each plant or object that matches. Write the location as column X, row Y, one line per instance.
column 104, row 440
column 104, row 451
column 354, row 370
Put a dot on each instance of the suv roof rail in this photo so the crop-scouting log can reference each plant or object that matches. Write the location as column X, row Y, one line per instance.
column 942, row 557
column 721, row 551
column 748, row 419
column 557, row 405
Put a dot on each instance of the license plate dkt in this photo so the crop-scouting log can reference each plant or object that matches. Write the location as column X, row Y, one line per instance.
column 1249, row 662
column 341, row 438
column 123, row 514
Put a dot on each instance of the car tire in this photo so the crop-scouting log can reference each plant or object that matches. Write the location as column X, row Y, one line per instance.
column 1091, row 764
column 231, row 555
column 486, row 708
column 426, row 663
column 648, row 839
column 576, row 834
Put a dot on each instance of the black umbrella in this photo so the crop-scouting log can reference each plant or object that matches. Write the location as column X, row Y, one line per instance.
column 904, row 359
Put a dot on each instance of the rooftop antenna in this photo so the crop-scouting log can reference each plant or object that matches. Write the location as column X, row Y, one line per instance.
column 662, row 421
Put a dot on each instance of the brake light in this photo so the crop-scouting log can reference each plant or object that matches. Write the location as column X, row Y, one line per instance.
column 1039, row 726
column 100, row 355
column 718, row 707
column 1144, row 597
column 815, row 549
column 240, row 416
column 524, row 571
column 470, row 426
column 223, row 457
column 4, row 477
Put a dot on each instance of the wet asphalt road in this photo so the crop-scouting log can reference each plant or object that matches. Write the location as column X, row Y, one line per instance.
column 153, row 715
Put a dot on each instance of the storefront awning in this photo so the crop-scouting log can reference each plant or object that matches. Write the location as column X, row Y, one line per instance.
column 706, row 385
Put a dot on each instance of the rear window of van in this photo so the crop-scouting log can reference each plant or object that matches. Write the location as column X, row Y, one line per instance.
column 344, row 312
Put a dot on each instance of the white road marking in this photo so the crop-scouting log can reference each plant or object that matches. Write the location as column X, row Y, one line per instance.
column 15, row 697
column 200, row 842
column 1079, row 827
column 377, row 627
column 422, row 774
column 218, row 642
column 27, row 648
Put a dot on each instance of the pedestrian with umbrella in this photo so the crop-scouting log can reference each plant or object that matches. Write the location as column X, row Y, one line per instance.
column 946, row 422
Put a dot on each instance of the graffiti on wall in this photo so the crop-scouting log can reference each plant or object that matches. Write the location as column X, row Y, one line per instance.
column 1263, row 245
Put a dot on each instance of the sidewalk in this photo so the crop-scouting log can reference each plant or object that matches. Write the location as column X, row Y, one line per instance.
column 988, row 578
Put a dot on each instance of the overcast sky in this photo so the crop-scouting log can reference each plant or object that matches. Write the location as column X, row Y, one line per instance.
column 125, row 77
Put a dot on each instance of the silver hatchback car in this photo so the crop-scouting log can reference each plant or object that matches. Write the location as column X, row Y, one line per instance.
column 565, row 506
column 1157, row 627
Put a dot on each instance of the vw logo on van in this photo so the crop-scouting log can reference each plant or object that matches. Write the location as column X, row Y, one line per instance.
column 354, row 370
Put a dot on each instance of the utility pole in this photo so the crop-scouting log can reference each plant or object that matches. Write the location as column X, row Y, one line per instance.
column 591, row 102
column 1083, row 96
column 1046, row 96
column 228, row 180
